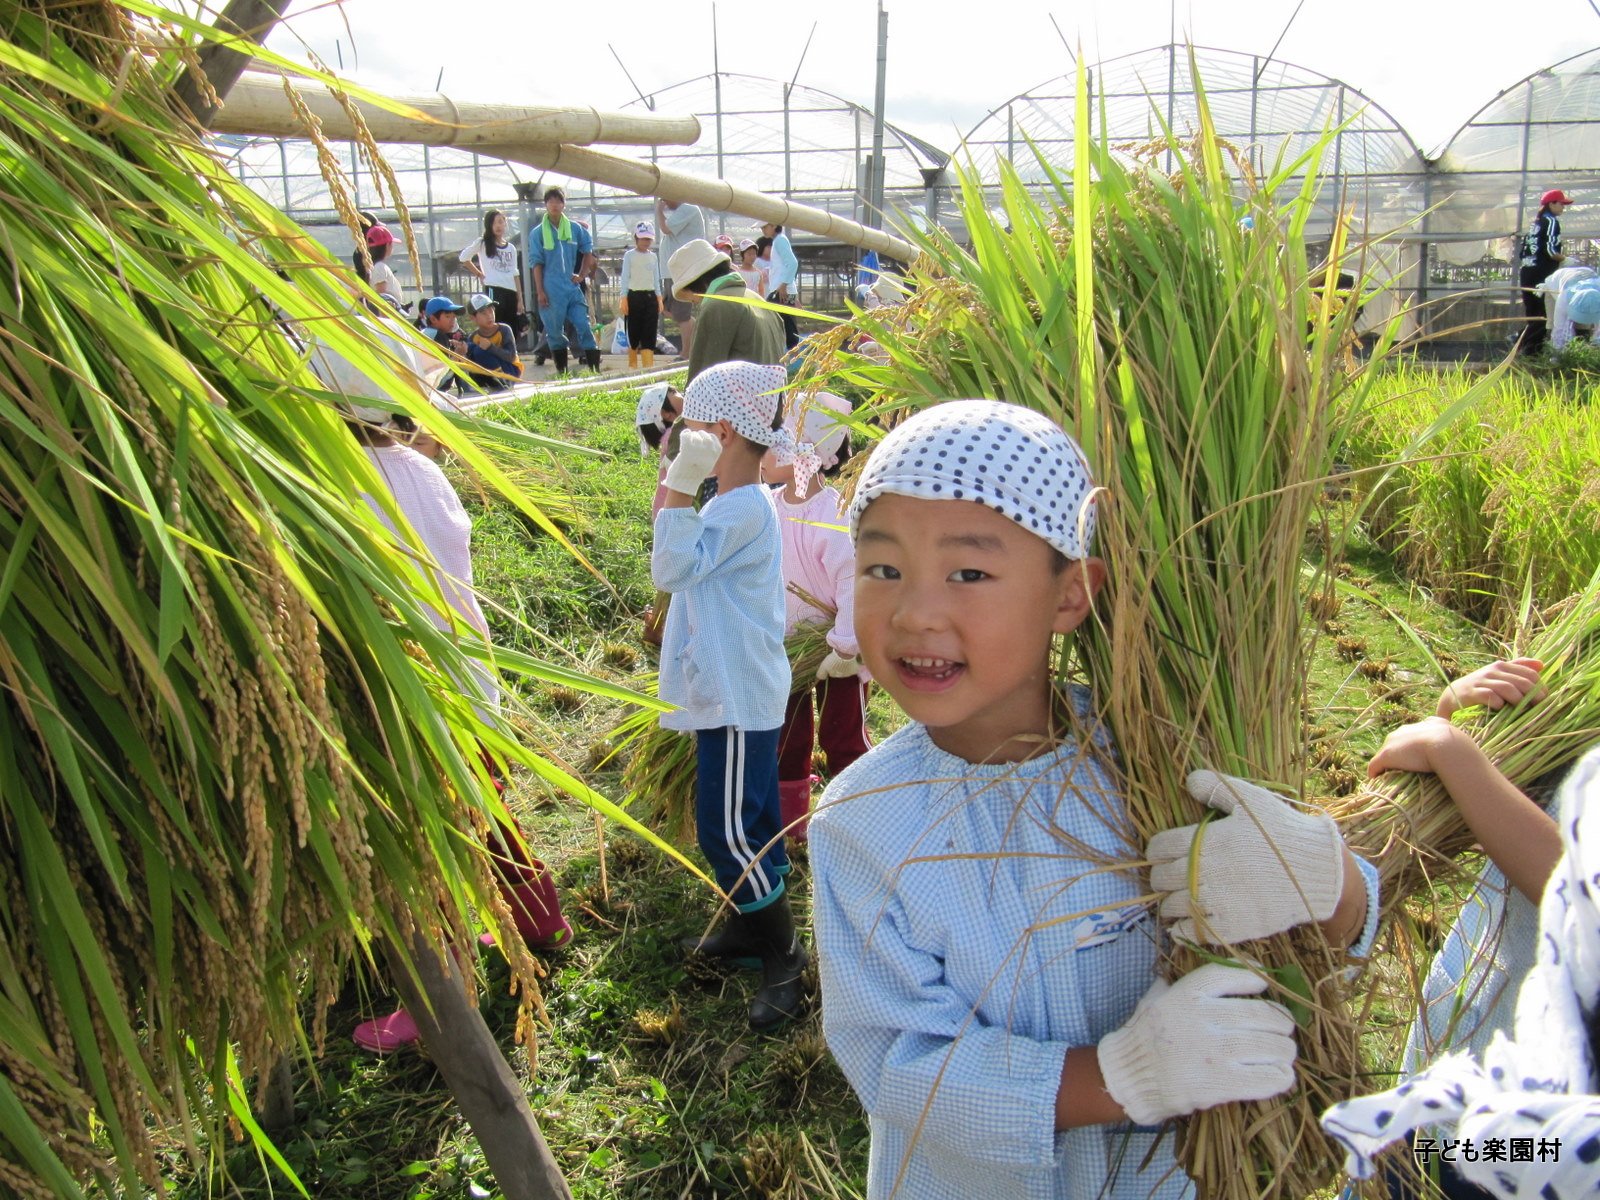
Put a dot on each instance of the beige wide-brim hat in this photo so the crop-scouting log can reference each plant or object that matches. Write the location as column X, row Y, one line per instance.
column 690, row 261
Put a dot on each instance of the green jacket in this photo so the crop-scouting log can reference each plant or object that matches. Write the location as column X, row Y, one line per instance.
column 725, row 332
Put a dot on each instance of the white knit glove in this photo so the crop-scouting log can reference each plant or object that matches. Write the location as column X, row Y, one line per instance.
column 836, row 666
column 1264, row 868
column 1197, row 1043
column 698, row 451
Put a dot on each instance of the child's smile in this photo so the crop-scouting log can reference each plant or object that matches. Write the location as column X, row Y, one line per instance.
column 955, row 608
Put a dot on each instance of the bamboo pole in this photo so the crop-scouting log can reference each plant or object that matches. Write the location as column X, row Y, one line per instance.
column 256, row 105
column 648, row 179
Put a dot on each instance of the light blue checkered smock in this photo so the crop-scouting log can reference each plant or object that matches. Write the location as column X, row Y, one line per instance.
column 1472, row 984
column 722, row 656
column 951, row 1020
column 948, row 1006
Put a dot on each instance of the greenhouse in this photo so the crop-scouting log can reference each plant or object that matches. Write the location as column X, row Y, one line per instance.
column 1446, row 219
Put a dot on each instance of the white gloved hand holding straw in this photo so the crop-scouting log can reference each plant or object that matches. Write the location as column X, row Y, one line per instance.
column 1265, row 867
column 1202, row 1041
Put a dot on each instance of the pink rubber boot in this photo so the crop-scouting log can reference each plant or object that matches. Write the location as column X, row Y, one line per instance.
column 794, row 806
column 536, row 909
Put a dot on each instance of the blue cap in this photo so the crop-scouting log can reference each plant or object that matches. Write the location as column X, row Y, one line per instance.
column 1583, row 303
column 440, row 304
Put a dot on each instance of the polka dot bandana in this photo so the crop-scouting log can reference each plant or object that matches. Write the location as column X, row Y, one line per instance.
column 649, row 413
column 744, row 394
column 818, row 437
column 1010, row 458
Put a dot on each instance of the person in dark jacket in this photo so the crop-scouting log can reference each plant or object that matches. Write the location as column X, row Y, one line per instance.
column 1541, row 254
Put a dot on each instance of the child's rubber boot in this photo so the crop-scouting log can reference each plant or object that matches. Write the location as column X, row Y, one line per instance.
column 735, row 942
column 794, row 806
column 649, row 357
column 592, row 359
column 536, row 909
column 560, row 358
column 633, row 359
column 385, row 1035
column 783, row 961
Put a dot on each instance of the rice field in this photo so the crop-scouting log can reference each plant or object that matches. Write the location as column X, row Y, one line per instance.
column 1501, row 508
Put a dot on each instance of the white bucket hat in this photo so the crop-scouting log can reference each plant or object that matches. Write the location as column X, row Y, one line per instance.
column 690, row 261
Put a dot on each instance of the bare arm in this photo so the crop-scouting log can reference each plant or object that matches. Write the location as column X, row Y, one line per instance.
column 1517, row 835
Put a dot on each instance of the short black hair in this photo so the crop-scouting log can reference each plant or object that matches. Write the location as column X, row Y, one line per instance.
column 763, row 244
column 844, row 457
column 652, row 435
column 554, row 193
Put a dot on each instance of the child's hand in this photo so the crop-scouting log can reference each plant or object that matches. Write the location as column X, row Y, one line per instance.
column 1264, row 868
column 1494, row 686
column 1415, row 747
column 698, row 452
column 1198, row 1043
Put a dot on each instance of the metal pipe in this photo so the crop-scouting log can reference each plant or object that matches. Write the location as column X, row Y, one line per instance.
column 874, row 212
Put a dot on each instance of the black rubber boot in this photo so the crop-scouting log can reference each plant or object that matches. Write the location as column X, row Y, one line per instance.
column 561, row 360
column 734, row 942
column 783, row 960
column 593, row 359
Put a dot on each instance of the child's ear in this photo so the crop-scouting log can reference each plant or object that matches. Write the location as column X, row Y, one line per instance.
column 1080, row 583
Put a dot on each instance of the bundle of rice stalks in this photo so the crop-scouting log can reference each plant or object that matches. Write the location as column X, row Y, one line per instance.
column 236, row 749
column 1408, row 825
column 1201, row 364
column 660, row 774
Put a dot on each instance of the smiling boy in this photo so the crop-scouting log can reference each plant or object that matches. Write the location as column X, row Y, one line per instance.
column 988, row 972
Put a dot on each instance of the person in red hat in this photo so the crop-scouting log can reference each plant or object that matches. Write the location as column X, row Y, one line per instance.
column 1541, row 254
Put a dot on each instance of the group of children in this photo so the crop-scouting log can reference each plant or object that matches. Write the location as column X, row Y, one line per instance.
column 988, row 977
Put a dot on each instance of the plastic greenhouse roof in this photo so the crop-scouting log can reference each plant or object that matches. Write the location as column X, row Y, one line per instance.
column 1272, row 107
column 780, row 138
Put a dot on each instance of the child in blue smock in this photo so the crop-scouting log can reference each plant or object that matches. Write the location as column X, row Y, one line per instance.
column 988, row 976
column 723, row 663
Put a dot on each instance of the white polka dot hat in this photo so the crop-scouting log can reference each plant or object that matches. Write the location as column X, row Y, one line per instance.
column 648, row 414
column 744, row 394
column 1012, row 459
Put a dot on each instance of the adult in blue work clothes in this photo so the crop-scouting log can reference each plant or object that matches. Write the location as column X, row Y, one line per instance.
column 561, row 253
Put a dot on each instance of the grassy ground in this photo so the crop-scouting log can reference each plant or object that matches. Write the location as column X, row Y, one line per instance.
column 648, row 1082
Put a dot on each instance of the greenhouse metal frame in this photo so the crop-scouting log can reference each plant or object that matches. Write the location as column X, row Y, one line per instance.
column 1446, row 223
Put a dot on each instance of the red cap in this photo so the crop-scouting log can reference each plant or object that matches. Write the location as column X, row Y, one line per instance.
column 1554, row 196
column 379, row 235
